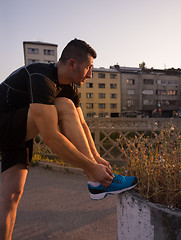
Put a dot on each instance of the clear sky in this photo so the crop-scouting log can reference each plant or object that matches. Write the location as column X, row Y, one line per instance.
column 126, row 32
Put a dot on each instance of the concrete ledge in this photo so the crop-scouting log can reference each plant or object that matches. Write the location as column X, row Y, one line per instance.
column 60, row 168
column 137, row 218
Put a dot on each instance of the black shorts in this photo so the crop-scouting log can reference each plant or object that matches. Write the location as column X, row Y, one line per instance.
column 14, row 149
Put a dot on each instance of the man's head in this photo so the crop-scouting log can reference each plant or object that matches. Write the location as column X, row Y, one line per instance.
column 77, row 61
column 78, row 50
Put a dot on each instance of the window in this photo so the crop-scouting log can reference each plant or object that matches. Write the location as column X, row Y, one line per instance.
column 101, row 75
column 102, row 105
column 113, row 105
column 161, row 82
column 89, row 95
column 30, row 61
column 172, row 92
column 89, row 105
column 101, row 85
column 172, row 102
column 130, row 92
column 148, row 81
column 113, row 95
column 162, row 102
column 48, row 52
column 115, row 114
column 90, row 114
column 102, row 114
column 113, row 76
column 148, row 102
column 102, row 95
column 148, row 92
column 130, row 81
column 113, row 85
column 173, row 82
column 89, row 85
column 33, row 50
column 161, row 92
column 130, row 103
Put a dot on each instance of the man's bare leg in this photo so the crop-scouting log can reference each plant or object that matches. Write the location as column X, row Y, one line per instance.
column 70, row 125
column 13, row 180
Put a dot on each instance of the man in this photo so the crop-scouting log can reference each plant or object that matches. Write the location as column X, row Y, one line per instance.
column 42, row 98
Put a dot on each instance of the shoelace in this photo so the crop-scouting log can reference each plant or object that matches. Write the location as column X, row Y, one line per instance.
column 118, row 178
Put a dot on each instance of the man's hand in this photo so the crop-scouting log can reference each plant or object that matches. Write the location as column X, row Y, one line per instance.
column 101, row 160
column 100, row 173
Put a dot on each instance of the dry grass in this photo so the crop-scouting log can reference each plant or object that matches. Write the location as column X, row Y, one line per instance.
column 156, row 162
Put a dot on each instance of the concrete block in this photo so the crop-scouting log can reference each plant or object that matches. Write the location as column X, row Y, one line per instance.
column 139, row 219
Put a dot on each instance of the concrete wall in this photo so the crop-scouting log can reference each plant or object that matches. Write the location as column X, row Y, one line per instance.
column 140, row 219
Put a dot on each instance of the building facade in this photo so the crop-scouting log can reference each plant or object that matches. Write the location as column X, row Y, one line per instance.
column 35, row 52
column 100, row 95
column 150, row 92
column 131, row 92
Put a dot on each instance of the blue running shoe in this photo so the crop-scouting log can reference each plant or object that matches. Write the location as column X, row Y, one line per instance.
column 119, row 184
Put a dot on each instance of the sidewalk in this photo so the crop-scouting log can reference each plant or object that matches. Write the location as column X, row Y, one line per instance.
column 57, row 206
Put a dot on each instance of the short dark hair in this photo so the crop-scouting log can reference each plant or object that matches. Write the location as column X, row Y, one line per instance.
column 77, row 49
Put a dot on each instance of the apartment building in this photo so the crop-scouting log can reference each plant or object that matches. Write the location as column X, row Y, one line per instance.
column 149, row 92
column 35, row 52
column 166, row 88
column 132, row 92
column 100, row 95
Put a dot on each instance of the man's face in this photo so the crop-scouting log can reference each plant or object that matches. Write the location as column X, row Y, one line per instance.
column 83, row 71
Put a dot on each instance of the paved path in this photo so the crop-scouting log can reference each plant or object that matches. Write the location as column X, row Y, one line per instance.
column 57, row 206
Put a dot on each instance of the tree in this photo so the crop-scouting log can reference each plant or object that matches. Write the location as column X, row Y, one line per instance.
column 142, row 65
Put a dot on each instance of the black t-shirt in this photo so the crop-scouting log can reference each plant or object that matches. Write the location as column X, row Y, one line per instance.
column 35, row 83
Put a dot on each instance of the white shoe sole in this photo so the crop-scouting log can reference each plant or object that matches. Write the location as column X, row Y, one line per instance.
column 100, row 196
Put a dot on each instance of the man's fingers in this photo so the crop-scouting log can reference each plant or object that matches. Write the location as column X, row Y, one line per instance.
column 110, row 172
column 110, row 166
column 108, row 179
column 106, row 183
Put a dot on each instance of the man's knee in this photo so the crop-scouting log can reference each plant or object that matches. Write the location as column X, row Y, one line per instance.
column 12, row 197
column 65, row 107
column 16, row 196
column 13, row 180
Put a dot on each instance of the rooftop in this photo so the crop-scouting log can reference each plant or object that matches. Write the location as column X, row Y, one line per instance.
column 133, row 70
column 39, row 43
column 109, row 70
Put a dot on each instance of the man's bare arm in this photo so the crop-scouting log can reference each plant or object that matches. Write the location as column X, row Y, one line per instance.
column 91, row 141
column 46, row 119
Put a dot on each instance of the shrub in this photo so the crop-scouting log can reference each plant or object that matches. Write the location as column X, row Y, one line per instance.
column 156, row 162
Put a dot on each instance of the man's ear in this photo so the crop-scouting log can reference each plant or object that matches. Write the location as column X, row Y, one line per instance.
column 72, row 64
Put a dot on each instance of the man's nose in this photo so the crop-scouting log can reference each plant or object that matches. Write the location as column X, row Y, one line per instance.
column 89, row 74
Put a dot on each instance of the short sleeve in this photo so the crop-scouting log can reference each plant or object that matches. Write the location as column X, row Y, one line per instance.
column 42, row 89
